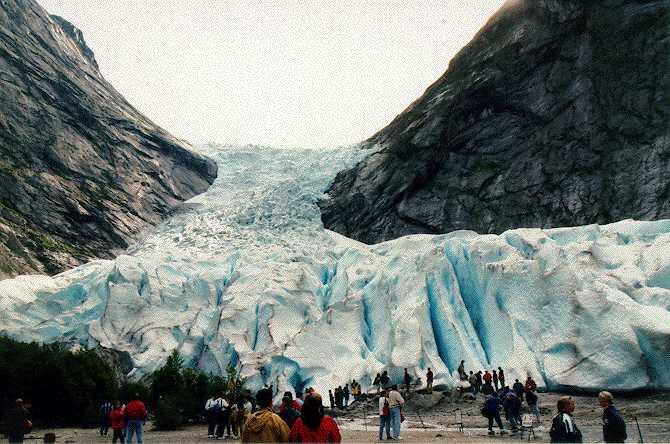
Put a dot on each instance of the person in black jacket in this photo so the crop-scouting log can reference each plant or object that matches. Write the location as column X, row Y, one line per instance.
column 17, row 422
column 614, row 427
column 563, row 427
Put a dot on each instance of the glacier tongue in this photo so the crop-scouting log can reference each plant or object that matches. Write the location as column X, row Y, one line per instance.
column 245, row 273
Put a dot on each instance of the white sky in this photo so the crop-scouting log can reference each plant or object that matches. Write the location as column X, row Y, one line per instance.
column 281, row 73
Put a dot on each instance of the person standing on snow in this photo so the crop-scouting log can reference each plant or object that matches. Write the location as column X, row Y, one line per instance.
column 472, row 379
column 265, row 425
column 501, row 377
column 461, row 372
column 491, row 411
column 345, row 394
column 563, row 427
column 429, row 381
column 614, row 427
column 332, row 399
column 377, row 382
column 495, row 380
column 518, row 389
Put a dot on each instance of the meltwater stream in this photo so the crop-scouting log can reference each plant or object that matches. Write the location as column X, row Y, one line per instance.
column 246, row 273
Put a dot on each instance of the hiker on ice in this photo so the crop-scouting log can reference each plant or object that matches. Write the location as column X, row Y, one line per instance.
column 501, row 377
column 495, row 380
column 461, row 372
column 384, row 415
column 563, row 427
column 518, row 389
column 377, row 382
column 265, row 425
column 472, row 379
column 396, row 402
column 614, row 427
column 512, row 406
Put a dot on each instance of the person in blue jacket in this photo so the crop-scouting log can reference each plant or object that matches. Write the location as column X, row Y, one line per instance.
column 563, row 426
column 614, row 427
column 491, row 411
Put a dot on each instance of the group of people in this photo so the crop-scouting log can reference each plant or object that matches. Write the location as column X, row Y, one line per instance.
column 340, row 396
column 564, row 427
column 227, row 415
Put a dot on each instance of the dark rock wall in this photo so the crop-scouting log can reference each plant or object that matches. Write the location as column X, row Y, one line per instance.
column 556, row 114
column 81, row 171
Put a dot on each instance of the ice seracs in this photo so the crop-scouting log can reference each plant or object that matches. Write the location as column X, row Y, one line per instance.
column 247, row 274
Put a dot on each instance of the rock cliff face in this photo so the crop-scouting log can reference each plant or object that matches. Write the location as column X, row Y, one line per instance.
column 556, row 114
column 81, row 171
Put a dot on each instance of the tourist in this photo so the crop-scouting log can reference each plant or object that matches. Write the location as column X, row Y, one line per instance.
column 531, row 400
column 377, row 382
column 384, row 415
column 461, row 372
column 313, row 425
column 501, row 377
column 495, row 380
column 135, row 415
column 105, row 410
column 265, row 425
column 406, row 379
column 429, row 381
column 296, row 405
column 223, row 422
column 472, row 379
column 614, row 427
column 396, row 402
column 487, row 388
column 518, row 389
column 339, row 397
column 512, row 406
column 117, row 421
column 530, row 384
column 287, row 410
column 212, row 411
column 17, row 422
column 563, row 427
column 479, row 380
column 345, row 393
column 491, row 411
column 385, row 380
column 487, row 376
column 332, row 399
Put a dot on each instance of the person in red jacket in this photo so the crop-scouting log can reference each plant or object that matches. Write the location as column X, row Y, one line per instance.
column 117, row 419
column 135, row 415
column 314, row 426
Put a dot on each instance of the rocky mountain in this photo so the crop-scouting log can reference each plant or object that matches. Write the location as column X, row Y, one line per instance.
column 556, row 114
column 81, row 170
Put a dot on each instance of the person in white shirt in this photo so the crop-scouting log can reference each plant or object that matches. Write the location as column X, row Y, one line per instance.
column 212, row 410
column 384, row 415
column 396, row 401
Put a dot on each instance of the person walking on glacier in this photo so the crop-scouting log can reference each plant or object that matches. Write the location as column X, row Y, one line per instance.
column 384, row 415
column 461, row 372
column 396, row 402
column 531, row 400
column 491, row 411
column 472, row 379
column 614, row 427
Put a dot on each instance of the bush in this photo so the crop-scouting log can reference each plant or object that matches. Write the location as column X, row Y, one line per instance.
column 168, row 416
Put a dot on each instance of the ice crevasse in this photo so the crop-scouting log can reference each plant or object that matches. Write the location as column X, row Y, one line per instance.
column 246, row 274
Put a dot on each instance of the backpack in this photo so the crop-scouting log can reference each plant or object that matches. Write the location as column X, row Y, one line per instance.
column 385, row 410
column 216, row 407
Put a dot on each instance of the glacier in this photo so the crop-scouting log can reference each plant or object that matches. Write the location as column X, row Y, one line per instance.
column 245, row 274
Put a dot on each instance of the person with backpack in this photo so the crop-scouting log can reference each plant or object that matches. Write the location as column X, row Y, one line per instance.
column 512, row 406
column 135, row 416
column 223, row 421
column 313, row 425
column 105, row 409
column 429, row 381
column 491, row 411
column 563, row 427
column 384, row 415
column 117, row 421
column 396, row 402
column 614, row 427
column 377, row 383
column 265, row 425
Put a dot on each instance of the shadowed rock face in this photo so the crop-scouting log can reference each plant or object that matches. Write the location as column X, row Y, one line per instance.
column 556, row 114
column 81, row 170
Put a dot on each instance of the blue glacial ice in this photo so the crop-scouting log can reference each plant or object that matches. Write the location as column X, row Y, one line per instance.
column 246, row 274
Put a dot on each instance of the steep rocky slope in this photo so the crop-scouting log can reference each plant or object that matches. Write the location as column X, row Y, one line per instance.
column 81, row 170
column 556, row 114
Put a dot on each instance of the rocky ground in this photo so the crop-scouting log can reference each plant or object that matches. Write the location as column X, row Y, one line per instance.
column 433, row 419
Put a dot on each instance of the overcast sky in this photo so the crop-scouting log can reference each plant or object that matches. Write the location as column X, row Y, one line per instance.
column 282, row 73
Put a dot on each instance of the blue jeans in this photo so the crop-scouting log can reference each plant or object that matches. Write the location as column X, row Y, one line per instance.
column 395, row 422
column 134, row 426
column 384, row 423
